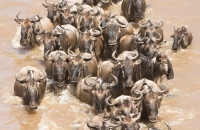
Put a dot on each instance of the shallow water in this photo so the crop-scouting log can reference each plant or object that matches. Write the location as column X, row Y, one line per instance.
column 179, row 108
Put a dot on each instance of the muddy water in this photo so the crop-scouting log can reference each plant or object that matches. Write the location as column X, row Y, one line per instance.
column 180, row 108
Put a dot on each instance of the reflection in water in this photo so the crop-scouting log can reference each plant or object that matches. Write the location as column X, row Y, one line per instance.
column 179, row 108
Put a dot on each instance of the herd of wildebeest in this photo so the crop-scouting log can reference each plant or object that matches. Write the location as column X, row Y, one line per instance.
column 108, row 65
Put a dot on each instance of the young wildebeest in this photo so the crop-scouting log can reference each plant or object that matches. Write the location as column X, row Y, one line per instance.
column 30, row 27
column 30, row 85
column 152, row 97
column 94, row 91
column 182, row 37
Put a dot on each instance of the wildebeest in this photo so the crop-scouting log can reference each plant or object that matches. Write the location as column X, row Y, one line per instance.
column 94, row 91
column 126, row 61
column 154, row 69
column 92, row 40
column 54, row 11
column 52, row 58
column 99, row 122
column 30, row 85
column 81, row 66
column 61, row 38
column 123, row 69
column 182, row 37
column 151, row 100
column 113, row 28
column 151, row 28
column 133, row 10
column 30, row 27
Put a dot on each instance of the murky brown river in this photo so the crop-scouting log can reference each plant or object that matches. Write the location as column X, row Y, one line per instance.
column 180, row 109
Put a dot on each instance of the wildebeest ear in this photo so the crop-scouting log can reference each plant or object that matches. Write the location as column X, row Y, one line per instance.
column 46, row 6
column 170, row 74
column 172, row 36
column 87, row 90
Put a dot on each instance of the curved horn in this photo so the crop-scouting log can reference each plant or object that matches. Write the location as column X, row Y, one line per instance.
column 71, row 53
column 116, row 81
column 162, row 92
column 47, row 2
column 79, row 29
column 41, row 78
column 105, row 2
column 91, row 124
column 137, row 117
column 20, row 80
column 107, row 101
column 137, row 92
column 112, row 126
column 43, row 32
column 60, row 30
column 87, row 57
column 137, row 111
column 159, row 25
column 122, row 25
column 169, row 127
column 46, row 55
column 95, row 33
column 17, row 19
column 86, row 83
column 141, row 24
column 118, row 59
column 100, row 27
column 133, row 53
column 160, row 36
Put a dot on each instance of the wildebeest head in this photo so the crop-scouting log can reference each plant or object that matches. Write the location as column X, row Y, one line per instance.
column 126, row 61
column 126, row 104
column 112, row 29
column 177, row 36
column 129, row 122
column 49, row 41
column 151, row 101
column 87, row 41
column 165, row 65
column 102, row 124
column 100, row 91
column 31, row 96
column 29, row 29
column 53, row 11
column 149, row 28
column 78, row 68
column 59, row 60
